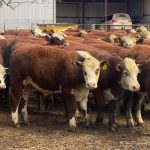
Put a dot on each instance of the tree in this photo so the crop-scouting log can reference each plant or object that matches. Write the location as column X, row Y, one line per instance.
column 14, row 4
column 5, row 2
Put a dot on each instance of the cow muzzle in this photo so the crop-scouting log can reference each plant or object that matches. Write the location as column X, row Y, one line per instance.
column 91, row 85
column 2, row 86
column 136, row 88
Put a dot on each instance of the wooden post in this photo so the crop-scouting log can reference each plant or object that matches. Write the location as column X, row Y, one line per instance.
column 106, row 13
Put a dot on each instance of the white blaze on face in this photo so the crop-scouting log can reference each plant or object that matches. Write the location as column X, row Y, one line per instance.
column 38, row 32
column 128, row 41
column 129, row 76
column 2, row 77
column 91, row 69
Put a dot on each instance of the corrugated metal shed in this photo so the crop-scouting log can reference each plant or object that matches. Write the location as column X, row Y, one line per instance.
column 23, row 13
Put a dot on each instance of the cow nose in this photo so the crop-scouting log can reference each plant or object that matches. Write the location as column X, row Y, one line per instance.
column 91, row 85
column 136, row 88
column 2, row 86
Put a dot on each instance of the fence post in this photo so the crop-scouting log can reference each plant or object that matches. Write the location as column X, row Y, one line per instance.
column 4, row 26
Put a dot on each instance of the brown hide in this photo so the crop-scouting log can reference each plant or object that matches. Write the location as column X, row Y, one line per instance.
column 21, row 32
column 45, row 65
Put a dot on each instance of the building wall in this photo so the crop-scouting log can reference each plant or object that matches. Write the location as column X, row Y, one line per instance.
column 24, row 14
column 134, row 8
column 146, row 11
column 94, row 11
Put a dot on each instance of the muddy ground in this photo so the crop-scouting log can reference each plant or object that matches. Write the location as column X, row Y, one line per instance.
column 49, row 130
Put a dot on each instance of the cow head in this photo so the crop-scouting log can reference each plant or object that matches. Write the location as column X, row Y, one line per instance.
column 128, row 41
column 2, row 77
column 141, row 29
column 91, row 69
column 130, row 72
column 113, row 38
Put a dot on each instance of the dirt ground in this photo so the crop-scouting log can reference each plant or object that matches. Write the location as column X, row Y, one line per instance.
column 49, row 131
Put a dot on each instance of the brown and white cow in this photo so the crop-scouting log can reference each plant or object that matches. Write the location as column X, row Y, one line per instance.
column 121, row 73
column 49, row 69
column 141, row 53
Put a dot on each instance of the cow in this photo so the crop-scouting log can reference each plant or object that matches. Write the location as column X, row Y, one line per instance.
column 141, row 55
column 75, row 72
column 5, row 52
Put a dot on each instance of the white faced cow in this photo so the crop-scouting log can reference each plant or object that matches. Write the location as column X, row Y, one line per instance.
column 69, row 69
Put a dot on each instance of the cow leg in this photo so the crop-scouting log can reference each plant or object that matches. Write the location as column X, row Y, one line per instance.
column 25, row 98
column 99, row 118
column 83, row 106
column 100, row 103
column 70, row 106
column 81, row 96
column 15, row 95
column 112, row 98
column 129, row 117
column 15, row 115
column 138, row 115
column 41, row 103
column 112, row 106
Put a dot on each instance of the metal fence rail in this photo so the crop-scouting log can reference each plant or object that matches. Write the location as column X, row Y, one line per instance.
column 22, row 24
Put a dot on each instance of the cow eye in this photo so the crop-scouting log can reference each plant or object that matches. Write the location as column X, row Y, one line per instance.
column 126, row 73
column 97, row 71
column 4, row 76
column 84, row 73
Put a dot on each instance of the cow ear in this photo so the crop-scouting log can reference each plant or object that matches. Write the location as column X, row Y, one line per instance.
column 104, row 65
column 7, row 70
column 139, row 66
column 78, row 63
column 139, row 40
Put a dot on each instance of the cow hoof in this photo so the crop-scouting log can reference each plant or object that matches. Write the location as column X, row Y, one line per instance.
column 72, row 129
column 98, row 122
column 17, row 125
column 72, row 124
column 141, row 124
column 113, row 128
column 130, row 124
column 89, row 123
column 27, row 123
